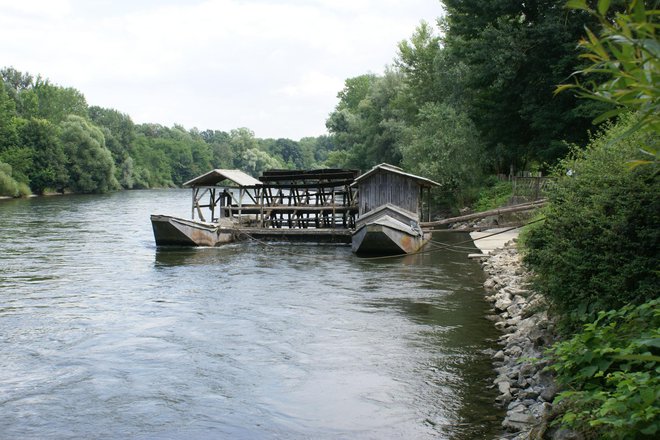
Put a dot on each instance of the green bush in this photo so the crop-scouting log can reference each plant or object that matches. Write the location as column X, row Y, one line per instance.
column 598, row 247
column 610, row 373
column 496, row 193
column 10, row 187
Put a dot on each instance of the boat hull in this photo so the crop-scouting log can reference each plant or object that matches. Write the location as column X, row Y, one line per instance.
column 175, row 231
column 385, row 234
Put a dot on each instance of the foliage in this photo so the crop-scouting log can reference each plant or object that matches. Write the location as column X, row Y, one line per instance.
column 90, row 164
column 10, row 187
column 627, row 55
column 514, row 54
column 20, row 159
column 598, row 247
column 610, row 373
column 444, row 148
column 493, row 194
column 8, row 137
column 52, row 140
column 48, row 167
column 367, row 125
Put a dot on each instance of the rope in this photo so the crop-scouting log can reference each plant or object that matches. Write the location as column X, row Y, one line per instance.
column 265, row 243
column 447, row 246
column 440, row 246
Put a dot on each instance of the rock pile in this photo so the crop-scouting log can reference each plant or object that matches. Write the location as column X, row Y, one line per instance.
column 526, row 390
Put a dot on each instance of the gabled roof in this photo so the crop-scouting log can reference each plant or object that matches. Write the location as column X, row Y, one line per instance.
column 421, row 181
column 214, row 176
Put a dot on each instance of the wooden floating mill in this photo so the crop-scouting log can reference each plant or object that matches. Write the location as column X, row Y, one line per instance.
column 377, row 212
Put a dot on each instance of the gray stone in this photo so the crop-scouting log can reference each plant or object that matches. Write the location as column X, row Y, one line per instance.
column 502, row 304
column 565, row 434
column 504, row 387
column 503, row 399
column 521, row 417
column 528, row 393
column 549, row 393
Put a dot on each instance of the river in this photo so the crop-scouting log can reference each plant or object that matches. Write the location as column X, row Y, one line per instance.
column 103, row 335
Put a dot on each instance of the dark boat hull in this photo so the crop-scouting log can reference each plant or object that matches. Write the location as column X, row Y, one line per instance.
column 174, row 231
column 388, row 231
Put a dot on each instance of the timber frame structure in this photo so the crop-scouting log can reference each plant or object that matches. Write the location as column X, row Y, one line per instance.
column 279, row 199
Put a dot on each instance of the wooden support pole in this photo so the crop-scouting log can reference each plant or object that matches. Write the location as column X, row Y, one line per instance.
column 515, row 208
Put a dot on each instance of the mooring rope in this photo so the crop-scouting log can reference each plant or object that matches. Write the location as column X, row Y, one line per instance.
column 448, row 246
column 439, row 246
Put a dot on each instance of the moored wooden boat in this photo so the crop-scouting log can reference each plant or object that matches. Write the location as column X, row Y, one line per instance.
column 390, row 206
column 388, row 230
column 175, row 231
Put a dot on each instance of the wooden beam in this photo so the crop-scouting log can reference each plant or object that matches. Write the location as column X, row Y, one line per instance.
column 515, row 208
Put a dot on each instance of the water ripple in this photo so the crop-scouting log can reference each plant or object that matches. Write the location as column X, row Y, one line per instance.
column 106, row 336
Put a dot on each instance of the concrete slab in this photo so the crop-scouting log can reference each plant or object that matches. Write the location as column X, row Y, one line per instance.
column 489, row 244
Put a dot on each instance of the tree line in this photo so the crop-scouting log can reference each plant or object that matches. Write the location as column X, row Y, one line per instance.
column 51, row 140
column 465, row 98
column 470, row 96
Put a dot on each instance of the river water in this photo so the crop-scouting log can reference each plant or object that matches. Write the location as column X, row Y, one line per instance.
column 103, row 335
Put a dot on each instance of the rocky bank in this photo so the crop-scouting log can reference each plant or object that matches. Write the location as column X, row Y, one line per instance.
column 525, row 389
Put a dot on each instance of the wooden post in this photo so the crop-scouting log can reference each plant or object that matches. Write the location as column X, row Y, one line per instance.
column 261, row 205
column 240, row 205
column 194, row 191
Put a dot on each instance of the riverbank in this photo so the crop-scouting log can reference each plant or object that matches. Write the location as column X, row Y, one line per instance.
column 525, row 389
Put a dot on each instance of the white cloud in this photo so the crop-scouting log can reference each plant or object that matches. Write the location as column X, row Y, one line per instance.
column 312, row 84
column 40, row 8
column 272, row 65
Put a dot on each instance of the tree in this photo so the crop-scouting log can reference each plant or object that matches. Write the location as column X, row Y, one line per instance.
column 8, row 137
column 418, row 60
column 366, row 132
column 256, row 161
column 90, row 164
column 55, row 103
column 627, row 53
column 289, row 151
column 48, row 168
column 515, row 53
column 222, row 153
column 444, row 147
column 241, row 140
column 119, row 133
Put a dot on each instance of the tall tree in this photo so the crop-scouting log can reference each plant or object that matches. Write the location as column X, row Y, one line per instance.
column 55, row 103
column 90, row 166
column 8, row 137
column 516, row 53
column 367, row 131
column 48, row 170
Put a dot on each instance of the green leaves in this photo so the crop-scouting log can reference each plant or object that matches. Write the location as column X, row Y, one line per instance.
column 577, row 4
column 603, row 6
column 612, row 374
column 597, row 248
column 625, row 57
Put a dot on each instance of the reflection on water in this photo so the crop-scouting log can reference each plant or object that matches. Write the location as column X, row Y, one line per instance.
column 106, row 336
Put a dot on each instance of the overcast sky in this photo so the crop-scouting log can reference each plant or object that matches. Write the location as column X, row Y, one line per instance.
column 274, row 66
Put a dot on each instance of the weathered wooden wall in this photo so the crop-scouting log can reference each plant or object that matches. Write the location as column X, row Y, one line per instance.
column 384, row 187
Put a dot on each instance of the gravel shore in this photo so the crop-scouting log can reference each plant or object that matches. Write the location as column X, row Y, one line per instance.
column 526, row 390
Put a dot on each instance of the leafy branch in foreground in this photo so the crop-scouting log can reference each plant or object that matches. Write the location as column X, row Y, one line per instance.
column 627, row 54
column 611, row 374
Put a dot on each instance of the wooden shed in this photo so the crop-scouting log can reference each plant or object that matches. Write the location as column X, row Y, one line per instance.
column 388, row 184
column 238, row 189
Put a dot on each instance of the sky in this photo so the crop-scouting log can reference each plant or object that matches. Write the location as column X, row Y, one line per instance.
column 273, row 66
